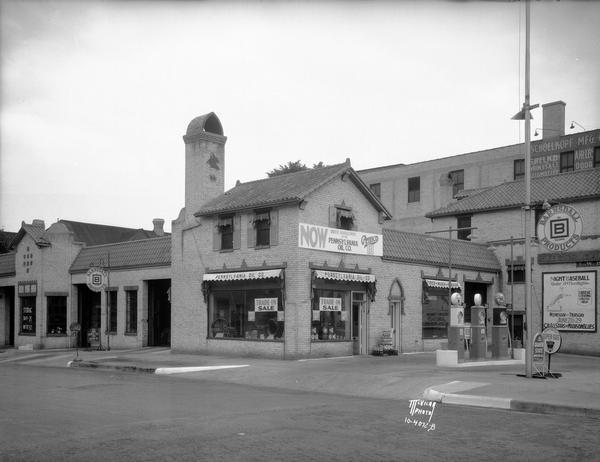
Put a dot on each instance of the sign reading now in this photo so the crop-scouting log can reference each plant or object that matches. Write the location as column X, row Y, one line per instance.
column 339, row 240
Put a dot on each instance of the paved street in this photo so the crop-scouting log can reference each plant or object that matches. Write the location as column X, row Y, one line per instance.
column 51, row 413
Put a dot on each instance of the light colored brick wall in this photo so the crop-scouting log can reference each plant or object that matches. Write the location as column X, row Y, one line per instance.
column 120, row 279
column 192, row 253
column 50, row 269
column 482, row 168
column 500, row 226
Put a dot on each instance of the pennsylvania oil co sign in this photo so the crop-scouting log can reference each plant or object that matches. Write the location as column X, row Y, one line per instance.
column 339, row 240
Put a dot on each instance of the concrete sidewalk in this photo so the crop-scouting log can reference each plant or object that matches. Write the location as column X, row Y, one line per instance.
column 403, row 377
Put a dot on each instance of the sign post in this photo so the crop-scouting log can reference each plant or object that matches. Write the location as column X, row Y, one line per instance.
column 552, row 342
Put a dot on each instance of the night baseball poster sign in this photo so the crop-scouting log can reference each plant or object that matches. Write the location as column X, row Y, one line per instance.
column 339, row 240
column 569, row 301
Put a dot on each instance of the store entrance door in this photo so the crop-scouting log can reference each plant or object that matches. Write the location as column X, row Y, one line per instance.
column 159, row 312
column 360, row 330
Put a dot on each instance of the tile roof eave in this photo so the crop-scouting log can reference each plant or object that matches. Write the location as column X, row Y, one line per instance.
column 448, row 213
column 274, row 203
column 125, row 267
column 495, row 269
column 445, row 213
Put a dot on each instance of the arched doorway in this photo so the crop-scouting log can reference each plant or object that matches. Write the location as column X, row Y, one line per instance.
column 396, row 312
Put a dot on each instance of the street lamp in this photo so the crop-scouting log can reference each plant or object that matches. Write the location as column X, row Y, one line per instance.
column 525, row 114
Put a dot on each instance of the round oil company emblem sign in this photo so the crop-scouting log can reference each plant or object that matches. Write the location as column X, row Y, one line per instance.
column 96, row 279
column 559, row 228
column 552, row 340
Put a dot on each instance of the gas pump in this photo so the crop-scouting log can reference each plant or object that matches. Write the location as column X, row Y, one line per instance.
column 500, row 332
column 478, row 330
column 456, row 331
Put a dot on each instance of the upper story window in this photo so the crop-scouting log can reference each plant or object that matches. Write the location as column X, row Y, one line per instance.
column 597, row 157
column 519, row 169
column 414, row 189
column 516, row 273
column 458, row 181
column 262, row 228
column 376, row 189
column 225, row 226
column 567, row 161
column 463, row 222
column 341, row 217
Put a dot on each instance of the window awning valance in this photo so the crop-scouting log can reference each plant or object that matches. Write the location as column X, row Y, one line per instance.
column 341, row 276
column 261, row 216
column 441, row 284
column 225, row 221
column 242, row 275
column 346, row 214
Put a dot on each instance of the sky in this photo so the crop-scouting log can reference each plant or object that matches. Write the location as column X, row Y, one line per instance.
column 96, row 95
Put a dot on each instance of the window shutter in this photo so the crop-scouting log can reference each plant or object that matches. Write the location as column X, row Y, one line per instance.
column 332, row 216
column 274, row 231
column 216, row 235
column 237, row 232
column 251, row 231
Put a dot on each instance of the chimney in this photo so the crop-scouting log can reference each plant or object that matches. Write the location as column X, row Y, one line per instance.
column 204, row 162
column 38, row 223
column 158, row 226
column 554, row 120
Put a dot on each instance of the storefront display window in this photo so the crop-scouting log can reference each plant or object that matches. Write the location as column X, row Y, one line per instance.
column 436, row 312
column 27, row 320
column 253, row 314
column 57, row 315
column 113, row 309
column 131, row 311
column 331, row 315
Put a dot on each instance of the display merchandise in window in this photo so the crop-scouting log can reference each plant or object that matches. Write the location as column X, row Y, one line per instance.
column 436, row 313
column 331, row 318
column 254, row 314
column 57, row 315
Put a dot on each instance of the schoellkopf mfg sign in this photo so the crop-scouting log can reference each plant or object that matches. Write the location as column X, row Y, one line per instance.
column 560, row 227
column 339, row 240
column 569, row 301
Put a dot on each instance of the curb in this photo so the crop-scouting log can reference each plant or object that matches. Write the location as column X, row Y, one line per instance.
column 91, row 365
column 153, row 370
column 509, row 404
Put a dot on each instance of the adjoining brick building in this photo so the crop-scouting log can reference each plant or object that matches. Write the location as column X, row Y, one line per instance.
column 299, row 265
column 564, row 266
column 411, row 191
column 43, row 286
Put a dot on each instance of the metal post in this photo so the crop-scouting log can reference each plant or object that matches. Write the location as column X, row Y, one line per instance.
column 512, row 301
column 528, row 307
column 449, row 231
column 108, row 303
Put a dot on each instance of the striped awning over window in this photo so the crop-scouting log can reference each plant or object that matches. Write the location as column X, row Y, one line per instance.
column 341, row 276
column 242, row 275
column 441, row 284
